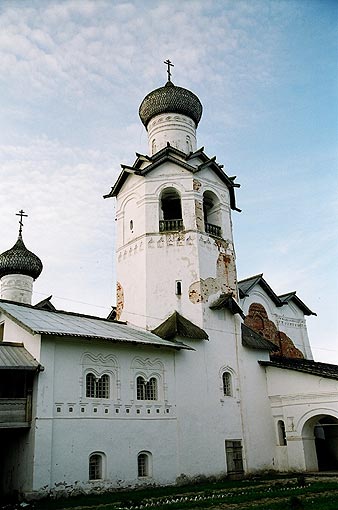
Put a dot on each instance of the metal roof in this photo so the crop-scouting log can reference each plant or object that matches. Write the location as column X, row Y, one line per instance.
column 14, row 356
column 177, row 325
column 303, row 365
column 254, row 340
column 227, row 301
column 62, row 323
column 178, row 157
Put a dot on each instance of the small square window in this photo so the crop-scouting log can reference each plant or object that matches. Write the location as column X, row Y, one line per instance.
column 82, row 409
column 106, row 411
column 58, row 409
column 138, row 411
column 70, row 409
column 117, row 411
column 148, row 411
column 127, row 411
column 95, row 409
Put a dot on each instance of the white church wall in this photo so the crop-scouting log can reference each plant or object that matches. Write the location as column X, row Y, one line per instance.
column 258, row 428
column 206, row 417
column 15, row 333
column 296, row 398
column 71, row 426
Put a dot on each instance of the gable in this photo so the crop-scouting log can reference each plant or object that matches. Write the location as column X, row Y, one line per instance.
column 170, row 154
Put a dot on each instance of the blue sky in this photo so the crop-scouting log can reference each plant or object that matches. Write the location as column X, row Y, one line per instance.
column 73, row 76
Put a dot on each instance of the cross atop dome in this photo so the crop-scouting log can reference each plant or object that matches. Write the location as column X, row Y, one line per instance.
column 21, row 214
column 169, row 64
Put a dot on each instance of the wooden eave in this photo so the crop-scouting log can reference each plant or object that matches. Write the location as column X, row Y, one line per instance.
column 227, row 301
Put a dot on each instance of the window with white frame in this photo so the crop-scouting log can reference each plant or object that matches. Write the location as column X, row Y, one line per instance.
column 227, row 384
column 96, row 466
column 146, row 390
column 144, row 464
column 97, row 387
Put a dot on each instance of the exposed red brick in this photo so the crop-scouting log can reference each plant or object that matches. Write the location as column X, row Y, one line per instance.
column 119, row 300
column 258, row 320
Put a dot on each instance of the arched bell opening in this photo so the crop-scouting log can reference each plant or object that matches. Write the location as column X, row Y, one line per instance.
column 170, row 211
column 212, row 214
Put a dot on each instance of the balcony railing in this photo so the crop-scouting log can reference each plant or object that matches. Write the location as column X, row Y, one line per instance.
column 214, row 230
column 15, row 411
column 171, row 225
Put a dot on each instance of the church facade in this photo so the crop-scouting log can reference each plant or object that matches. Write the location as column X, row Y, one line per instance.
column 193, row 374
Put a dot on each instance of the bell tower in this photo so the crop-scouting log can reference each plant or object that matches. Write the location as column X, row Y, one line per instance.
column 174, row 242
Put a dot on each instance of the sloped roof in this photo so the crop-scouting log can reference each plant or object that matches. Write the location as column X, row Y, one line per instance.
column 13, row 356
column 178, row 157
column 227, row 301
column 246, row 285
column 304, row 365
column 45, row 304
column 67, row 324
column 254, row 340
column 291, row 296
column 177, row 325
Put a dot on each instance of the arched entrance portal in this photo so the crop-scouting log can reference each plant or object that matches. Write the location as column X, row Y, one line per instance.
column 326, row 441
column 320, row 440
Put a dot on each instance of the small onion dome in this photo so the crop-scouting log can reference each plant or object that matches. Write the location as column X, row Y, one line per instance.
column 19, row 260
column 170, row 99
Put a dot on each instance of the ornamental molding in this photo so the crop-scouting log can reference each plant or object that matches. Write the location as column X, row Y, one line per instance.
column 286, row 321
column 147, row 364
column 89, row 360
column 286, row 400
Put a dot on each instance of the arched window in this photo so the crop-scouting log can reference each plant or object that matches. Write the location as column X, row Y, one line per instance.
column 227, row 384
column 212, row 214
column 97, row 387
column 144, row 464
column 146, row 390
column 281, row 433
column 95, row 466
column 171, row 211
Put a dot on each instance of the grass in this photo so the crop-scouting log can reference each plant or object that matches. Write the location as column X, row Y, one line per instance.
column 262, row 494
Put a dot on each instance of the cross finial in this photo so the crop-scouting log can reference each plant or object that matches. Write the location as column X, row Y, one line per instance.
column 21, row 214
column 169, row 64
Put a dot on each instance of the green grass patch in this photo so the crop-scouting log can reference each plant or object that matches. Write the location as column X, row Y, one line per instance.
column 251, row 493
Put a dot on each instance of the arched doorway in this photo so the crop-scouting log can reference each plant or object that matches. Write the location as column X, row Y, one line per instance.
column 320, row 440
column 326, row 441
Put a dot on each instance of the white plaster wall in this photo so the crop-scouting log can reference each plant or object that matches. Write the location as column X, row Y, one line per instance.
column 65, row 439
column 17, row 287
column 297, row 398
column 148, row 262
column 206, row 417
column 15, row 333
column 177, row 129
column 258, row 430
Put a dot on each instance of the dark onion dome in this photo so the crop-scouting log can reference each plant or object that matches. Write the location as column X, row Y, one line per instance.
column 170, row 99
column 19, row 260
